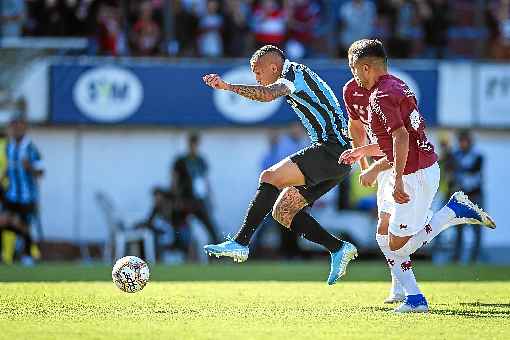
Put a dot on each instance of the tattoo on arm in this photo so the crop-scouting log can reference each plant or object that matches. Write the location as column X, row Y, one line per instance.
column 261, row 93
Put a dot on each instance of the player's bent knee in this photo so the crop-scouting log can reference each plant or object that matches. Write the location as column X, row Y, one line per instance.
column 395, row 242
column 271, row 177
column 287, row 205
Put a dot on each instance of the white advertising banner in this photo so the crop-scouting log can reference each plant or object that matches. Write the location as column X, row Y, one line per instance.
column 494, row 95
column 455, row 102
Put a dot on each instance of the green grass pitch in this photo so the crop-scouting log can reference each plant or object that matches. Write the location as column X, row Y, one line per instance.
column 250, row 301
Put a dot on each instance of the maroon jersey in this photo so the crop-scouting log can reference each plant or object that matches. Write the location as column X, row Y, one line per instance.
column 393, row 105
column 356, row 102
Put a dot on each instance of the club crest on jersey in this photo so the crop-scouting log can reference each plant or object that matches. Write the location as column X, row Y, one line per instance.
column 428, row 229
column 416, row 120
column 406, row 265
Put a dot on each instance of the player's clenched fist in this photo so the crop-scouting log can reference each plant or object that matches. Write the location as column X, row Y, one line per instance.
column 213, row 80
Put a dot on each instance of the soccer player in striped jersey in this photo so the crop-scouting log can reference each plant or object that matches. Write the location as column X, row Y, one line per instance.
column 288, row 187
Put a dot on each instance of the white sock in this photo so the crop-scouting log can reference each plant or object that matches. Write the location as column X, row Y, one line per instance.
column 396, row 288
column 401, row 267
column 439, row 222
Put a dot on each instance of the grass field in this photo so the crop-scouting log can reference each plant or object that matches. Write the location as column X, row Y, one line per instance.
column 250, row 301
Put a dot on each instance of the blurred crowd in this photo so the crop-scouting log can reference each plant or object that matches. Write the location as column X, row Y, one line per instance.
column 234, row 28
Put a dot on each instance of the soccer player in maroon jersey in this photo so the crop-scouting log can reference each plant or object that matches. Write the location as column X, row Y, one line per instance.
column 399, row 131
column 356, row 102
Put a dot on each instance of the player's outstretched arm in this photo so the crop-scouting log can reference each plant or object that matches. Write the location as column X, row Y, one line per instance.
column 352, row 156
column 254, row 92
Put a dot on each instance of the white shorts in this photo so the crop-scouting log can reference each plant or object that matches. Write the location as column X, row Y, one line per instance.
column 421, row 186
column 383, row 203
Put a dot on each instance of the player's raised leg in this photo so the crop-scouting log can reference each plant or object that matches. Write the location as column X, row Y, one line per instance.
column 271, row 181
column 458, row 211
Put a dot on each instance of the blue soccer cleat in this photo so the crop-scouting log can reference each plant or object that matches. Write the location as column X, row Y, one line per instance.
column 467, row 212
column 228, row 248
column 339, row 261
column 413, row 304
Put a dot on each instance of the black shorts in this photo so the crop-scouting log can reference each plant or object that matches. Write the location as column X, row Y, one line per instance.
column 319, row 165
column 23, row 211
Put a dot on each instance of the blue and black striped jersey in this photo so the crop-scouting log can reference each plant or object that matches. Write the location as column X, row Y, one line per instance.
column 315, row 104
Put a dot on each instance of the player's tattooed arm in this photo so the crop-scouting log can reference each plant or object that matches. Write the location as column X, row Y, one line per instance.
column 261, row 93
column 253, row 92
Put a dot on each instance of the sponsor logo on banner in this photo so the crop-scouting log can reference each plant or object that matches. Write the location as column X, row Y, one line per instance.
column 108, row 94
column 240, row 109
column 494, row 95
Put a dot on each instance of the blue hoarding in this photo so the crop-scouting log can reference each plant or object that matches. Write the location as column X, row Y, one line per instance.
column 137, row 93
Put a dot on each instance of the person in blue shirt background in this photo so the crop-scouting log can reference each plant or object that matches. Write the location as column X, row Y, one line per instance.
column 24, row 167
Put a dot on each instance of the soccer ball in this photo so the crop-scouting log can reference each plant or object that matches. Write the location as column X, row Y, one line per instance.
column 130, row 274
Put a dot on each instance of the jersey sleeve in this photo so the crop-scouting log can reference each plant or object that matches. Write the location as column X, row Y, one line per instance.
column 347, row 96
column 34, row 157
column 288, row 79
column 387, row 106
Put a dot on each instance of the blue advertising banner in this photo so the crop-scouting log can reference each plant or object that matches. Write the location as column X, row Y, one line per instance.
column 175, row 95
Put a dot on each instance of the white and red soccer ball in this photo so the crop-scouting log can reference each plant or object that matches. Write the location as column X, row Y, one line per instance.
column 130, row 274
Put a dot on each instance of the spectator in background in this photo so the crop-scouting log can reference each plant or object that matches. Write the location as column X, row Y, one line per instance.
column 235, row 32
column 50, row 19
column 191, row 186
column 161, row 220
column 436, row 16
column 303, row 18
column 357, row 21
column 110, row 34
column 197, row 7
column 292, row 141
column 24, row 167
column 210, row 26
column 146, row 34
column 12, row 18
column 109, row 30
column 446, row 189
column 468, row 178
column 272, row 156
column 186, row 28
column 499, row 16
column 404, row 27
column 447, row 165
column 269, row 23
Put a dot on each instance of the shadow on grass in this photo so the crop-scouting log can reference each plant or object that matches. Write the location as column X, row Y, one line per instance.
column 471, row 313
column 483, row 304
column 483, row 310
